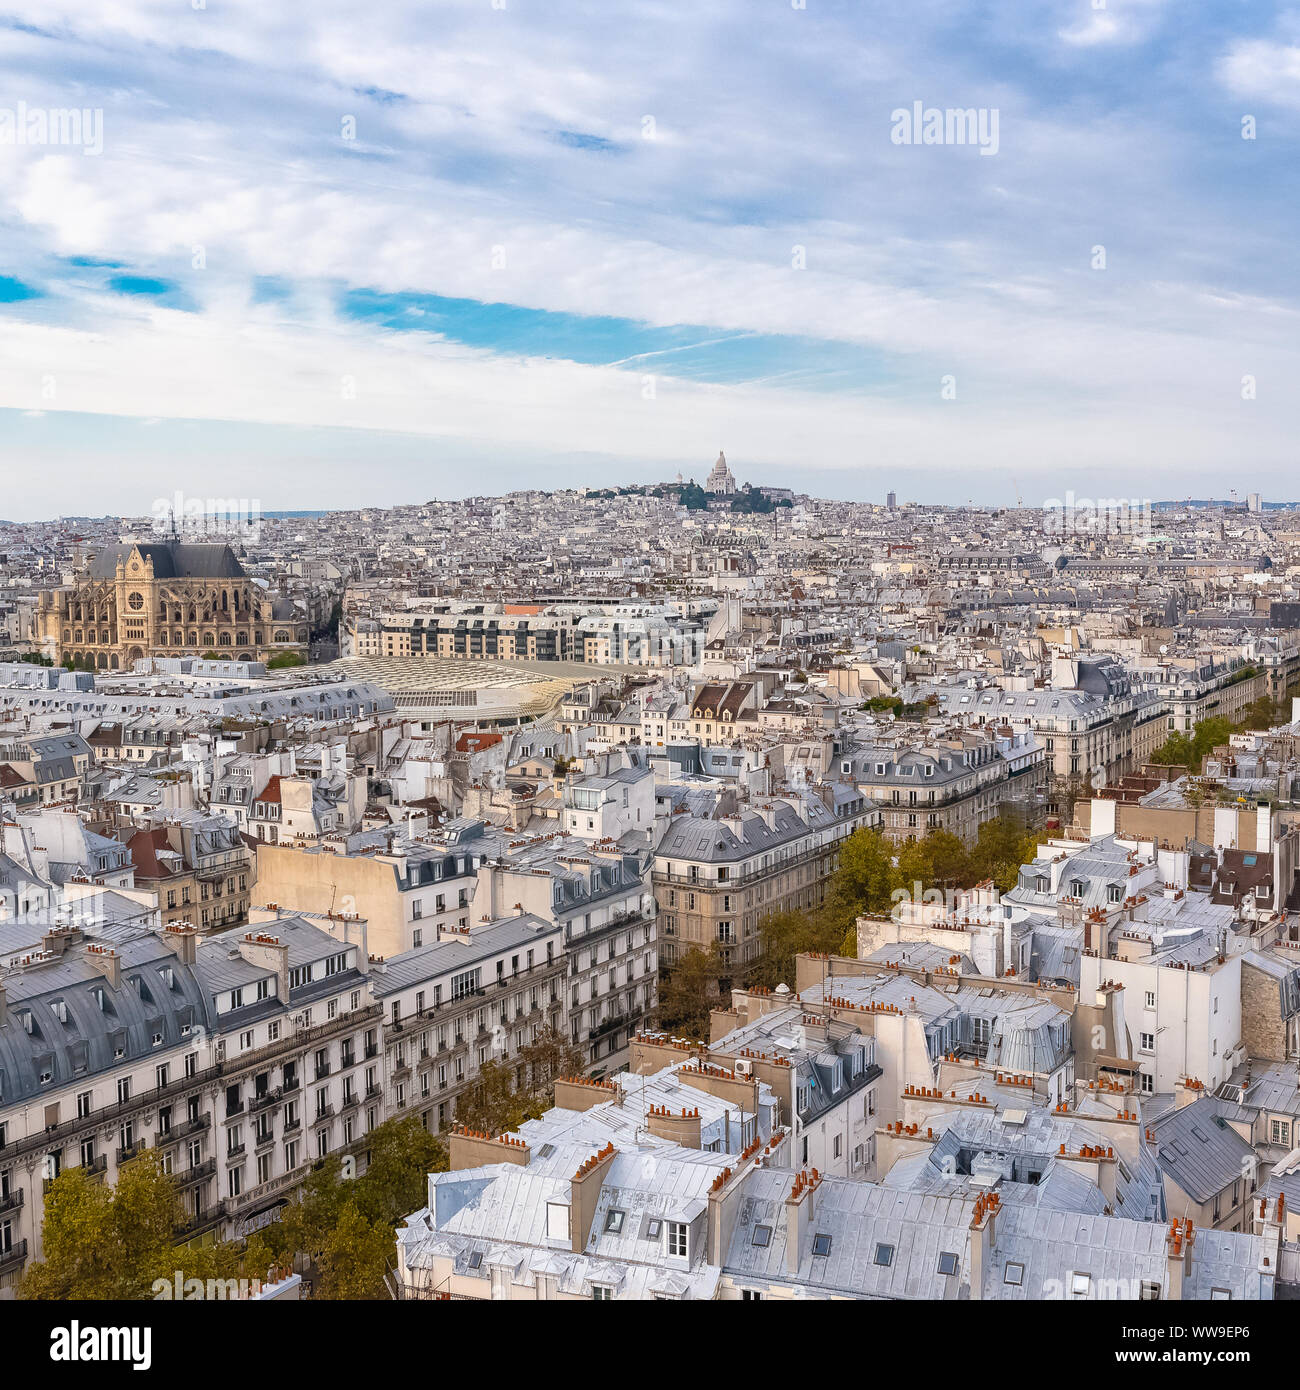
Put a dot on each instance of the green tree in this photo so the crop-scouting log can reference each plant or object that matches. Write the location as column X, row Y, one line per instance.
column 402, row 1155
column 783, row 936
column 1260, row 714
column 550, row 1055
column 493, row 1103
column 107, row 1242
column 688, row 991
column 306, row 1222
column 1001, row 847
column 355, row 1257
column 863, row 880
column 282, row 660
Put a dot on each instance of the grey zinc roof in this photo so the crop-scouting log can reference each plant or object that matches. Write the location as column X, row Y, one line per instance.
column 1200, row 1151
column 459, row 953
column 89, row 1041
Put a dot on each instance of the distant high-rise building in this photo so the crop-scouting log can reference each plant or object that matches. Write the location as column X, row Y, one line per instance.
column 891, row 500
column 1254, row 502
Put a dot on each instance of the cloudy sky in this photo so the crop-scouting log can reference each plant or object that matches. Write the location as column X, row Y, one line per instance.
column 331, row 254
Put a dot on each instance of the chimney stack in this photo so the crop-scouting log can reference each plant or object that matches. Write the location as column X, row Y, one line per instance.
column 983, row 1241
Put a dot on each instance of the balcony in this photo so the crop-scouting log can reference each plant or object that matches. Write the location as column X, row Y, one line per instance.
column 322, row 1070
column 197, row 1172
column 264, row 1190
column 98, row 1166
column 609, row 1025
column 237, row 1151
column 264, row 1098
column 129, row 1151
column 198, row 1222
column 263, row 1141
column 12, row 1202
column 292, row 1127
column 14, row 1256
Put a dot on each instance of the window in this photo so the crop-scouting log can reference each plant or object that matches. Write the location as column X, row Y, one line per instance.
column 602, row 1293
column 1080, row 1285
column 1148, row 1042
column 1014, row 1274
column 762, row 1237
column 1150, row 1291
column 1280, row 1132
column 614, row 1221
column 1220, row 1295
column 884, row 1256
column 652, row 1229
column 948, row 1263
column 1151, row 999
column 677, row 1238
column 475, row 1259
column 557, row 1221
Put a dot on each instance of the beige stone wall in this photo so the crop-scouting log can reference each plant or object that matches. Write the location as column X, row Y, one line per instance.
column 1263, row 1029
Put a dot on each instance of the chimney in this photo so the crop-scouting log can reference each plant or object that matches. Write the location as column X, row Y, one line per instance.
column 582, row 1093
column 584, row 1195
column 467, row 1148
column 1178, row 1255
column 983, row 1241
column 799, row 1210
column 683, row 1128
column 107, row 963
column 181, row 938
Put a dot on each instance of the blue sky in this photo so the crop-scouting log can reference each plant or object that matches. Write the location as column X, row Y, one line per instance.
column 343, row 255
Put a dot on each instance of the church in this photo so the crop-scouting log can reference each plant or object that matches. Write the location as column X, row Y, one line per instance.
column 720, row 482
column 161, row 599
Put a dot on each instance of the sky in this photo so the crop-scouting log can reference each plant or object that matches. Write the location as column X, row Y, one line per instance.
column 338, row 254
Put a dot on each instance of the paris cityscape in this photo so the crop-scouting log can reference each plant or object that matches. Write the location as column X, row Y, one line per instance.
column 648, row 657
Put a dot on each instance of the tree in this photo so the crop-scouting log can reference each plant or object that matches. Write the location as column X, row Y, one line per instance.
column 402, row 1155
column 492, row 1102
column 355, row 1257
column 688, row 992
column 285, row 659
column 306, row 1223
column 1001, row 847
column 784, row 935
column 549, row 1056
column 864, row 879
column 1260, row 714
column 107, row 1242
